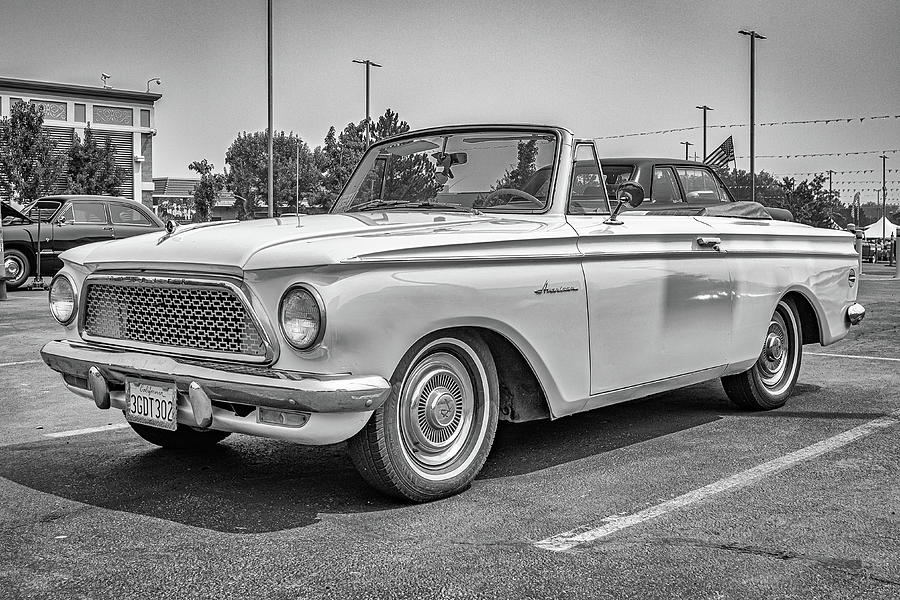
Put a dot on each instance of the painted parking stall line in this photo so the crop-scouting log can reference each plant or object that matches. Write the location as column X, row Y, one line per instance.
column 857, row 356
column 74, row 432
column 590, row 533
column 20, row 362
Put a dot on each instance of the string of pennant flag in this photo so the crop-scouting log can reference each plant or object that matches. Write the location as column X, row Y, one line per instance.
column 858, row 171
column 770, row 124
column 860, row 153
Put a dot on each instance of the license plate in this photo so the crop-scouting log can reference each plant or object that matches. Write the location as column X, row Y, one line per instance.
column 151, row 403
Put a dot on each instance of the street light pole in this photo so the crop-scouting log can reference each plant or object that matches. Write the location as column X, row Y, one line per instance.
column 705, row 109
column 883, row 158
column 753, row 37
column 686, row 146
column 830, row 173
column 368, row 63
column 271, row 169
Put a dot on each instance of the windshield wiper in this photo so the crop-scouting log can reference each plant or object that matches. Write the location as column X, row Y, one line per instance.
column 375, row 204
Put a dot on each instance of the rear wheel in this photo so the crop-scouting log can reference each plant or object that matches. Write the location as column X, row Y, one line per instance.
column 432, row 436
column 183, row 438
column 770, row 381
column 17, row 268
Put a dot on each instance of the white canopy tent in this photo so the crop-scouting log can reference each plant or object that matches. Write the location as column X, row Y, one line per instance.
column 875, row 229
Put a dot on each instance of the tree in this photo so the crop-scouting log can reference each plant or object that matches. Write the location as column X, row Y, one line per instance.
column 809, row 202
column 389, row 124
column 91, row 168
column 247, row 158
column 29, row 162
column 207, row 190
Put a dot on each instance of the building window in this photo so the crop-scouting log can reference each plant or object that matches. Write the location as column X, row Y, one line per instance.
column 79, row 113
column 145, row 118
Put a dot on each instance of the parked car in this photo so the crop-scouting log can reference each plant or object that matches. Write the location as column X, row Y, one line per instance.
column 447, row 289
column 66, row 222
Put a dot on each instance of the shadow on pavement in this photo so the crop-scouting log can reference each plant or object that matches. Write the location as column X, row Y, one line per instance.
column 249, row 485
column 527, row 447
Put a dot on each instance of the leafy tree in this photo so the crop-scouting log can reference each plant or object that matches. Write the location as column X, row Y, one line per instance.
column 29, row 162
column 247, row 158
column 207, row 190
column 91, row 168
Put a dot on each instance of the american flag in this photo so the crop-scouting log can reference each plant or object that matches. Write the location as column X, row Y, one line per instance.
column 722, row 155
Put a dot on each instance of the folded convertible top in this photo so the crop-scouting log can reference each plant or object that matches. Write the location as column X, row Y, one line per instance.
column 741, row 210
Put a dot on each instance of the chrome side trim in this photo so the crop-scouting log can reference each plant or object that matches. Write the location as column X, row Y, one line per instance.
column 306, row 391
column 271, row 349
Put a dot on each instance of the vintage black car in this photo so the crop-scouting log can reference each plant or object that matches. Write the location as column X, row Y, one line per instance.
column 66, row 222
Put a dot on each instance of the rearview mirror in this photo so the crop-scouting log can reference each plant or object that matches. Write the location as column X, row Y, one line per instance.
column 630, row 192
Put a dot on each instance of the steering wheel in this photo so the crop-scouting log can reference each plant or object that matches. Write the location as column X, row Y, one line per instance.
column 510, row 192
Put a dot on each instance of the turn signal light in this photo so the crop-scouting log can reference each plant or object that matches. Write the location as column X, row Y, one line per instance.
column 284, row 418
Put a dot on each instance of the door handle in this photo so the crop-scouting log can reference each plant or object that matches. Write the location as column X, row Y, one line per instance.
column 107, row 229
column 710, row 242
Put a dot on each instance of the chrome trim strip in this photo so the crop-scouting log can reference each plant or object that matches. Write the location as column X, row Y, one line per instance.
column 175, row 281
column 307, row 392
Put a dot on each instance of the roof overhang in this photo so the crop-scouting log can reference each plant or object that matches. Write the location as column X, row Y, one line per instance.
column 26, row 86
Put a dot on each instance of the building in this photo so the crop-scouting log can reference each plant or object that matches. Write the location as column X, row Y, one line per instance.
column 173, row 198
column 124, row 117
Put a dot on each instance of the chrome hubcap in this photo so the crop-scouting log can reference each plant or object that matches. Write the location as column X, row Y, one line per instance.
column 774, row 347
column 773, row 362
column 13, row 268
column 438, row 402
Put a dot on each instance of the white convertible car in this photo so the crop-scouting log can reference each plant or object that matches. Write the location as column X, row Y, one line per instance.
column 465, row 274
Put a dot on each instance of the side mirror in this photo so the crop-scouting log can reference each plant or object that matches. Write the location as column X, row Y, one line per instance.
column 630, row 192
column 61, row 221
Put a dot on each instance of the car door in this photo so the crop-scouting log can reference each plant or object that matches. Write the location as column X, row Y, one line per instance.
column 129, row 220
column 659, row 298
column 81, row 222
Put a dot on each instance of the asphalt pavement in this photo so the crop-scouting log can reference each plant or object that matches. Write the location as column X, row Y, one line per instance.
column 675, row 496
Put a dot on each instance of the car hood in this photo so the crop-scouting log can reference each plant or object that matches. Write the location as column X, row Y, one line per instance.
column 315, row 240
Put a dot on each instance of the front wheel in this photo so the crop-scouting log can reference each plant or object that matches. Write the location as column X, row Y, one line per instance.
column 432, row 436
column 769, row 382
column 17, row 268
column 183, row 438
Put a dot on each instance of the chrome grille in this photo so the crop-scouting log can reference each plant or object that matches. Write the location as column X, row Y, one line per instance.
column 210, row 319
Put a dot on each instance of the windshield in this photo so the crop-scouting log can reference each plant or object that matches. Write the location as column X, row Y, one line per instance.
column 43, row 208
column 489, row 170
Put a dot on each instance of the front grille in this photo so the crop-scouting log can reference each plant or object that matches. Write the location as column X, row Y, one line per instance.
column 192, row 317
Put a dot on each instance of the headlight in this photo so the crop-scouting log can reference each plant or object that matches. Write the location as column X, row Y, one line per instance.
column 62, row 299
column 301, row 317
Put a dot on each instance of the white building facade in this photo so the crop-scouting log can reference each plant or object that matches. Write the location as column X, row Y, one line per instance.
column 124, row 117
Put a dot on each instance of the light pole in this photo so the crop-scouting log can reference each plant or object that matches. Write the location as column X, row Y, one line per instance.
column 368, row 63
column 753, row 37
column 883, row 158
column 151, row 80
column 705, row 109
column 271, row 183
column 686, row 146
column 830, row 173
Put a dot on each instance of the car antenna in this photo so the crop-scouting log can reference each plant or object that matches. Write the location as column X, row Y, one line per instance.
column 297, row 179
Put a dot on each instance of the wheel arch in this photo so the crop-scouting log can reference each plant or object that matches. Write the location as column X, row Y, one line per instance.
column 810, row 319
column 522, row 395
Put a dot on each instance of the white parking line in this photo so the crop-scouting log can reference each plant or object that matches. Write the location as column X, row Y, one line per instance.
column 884, row 358
column 72, row 432
column 20, row 362
column 589, row 533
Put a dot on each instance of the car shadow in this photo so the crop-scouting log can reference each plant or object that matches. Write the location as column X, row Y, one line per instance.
column 252, row 485
column 521, row 448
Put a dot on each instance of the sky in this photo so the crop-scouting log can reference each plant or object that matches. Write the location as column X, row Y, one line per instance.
column 599, row 68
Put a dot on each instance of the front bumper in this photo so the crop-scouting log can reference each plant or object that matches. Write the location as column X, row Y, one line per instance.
column 333, row 407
